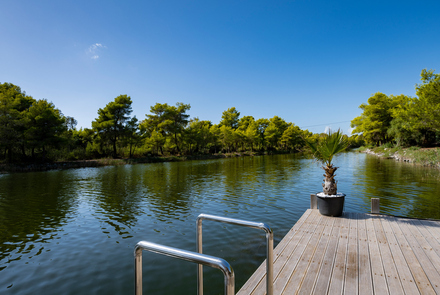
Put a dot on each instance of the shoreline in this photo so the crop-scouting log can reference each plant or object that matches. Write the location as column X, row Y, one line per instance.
column 35, row 167
column 428, row 157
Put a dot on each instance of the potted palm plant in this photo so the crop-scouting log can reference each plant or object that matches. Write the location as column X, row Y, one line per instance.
column 330, row 202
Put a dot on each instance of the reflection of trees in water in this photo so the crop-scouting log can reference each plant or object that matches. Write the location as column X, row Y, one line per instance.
column 169, row 188
column 257, row 175
column 119, row 194
column 173, row 189
column 403, row 189
column 427, row 184
column 32, row 207
column 229, row 185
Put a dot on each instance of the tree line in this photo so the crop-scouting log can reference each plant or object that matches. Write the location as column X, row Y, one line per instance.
column 400, row 119
column 35, row 130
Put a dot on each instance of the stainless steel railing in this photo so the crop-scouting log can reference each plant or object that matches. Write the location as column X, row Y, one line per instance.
column 199, row 258
column 257, row 225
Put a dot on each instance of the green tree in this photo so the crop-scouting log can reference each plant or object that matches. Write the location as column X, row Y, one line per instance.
column 178, row 119
column 198, row 134
column 14, row 104
column 70, row 135
column 239, row 139
column 84, row 137
column 375, row 119
column 132, row 136
column 244, row 122
column 71, row 123
column 226, row 137
column 214, row 132
column 292, row 138
column 156, row 141
column 230, row 118
column 251, row 134
column 111, row 124
column 262, row 125
column 404, row 127
column 416, row 120
column 168, row 120
column 275, row 130
column 46, row 125
column 406, row 120
column 428, row 105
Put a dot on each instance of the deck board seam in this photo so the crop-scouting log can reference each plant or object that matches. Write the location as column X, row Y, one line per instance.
column 331, row 257
column 277, row 252
column 354, row 254
column 293, row 260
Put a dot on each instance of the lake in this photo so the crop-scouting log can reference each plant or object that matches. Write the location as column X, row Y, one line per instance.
column 74, row 231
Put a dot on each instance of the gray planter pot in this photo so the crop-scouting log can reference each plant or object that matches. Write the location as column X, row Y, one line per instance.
column 331, row 206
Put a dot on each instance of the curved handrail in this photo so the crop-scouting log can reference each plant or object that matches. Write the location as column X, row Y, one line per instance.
column 257, row 225
column 199, row 258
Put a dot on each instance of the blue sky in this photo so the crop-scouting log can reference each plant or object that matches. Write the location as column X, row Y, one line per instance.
column 310, row 62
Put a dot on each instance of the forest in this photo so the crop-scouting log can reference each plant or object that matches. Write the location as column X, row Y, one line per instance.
column 36, row 131
column 401, row 120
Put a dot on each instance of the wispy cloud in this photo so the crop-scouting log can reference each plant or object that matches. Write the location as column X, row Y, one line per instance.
column 94, row 50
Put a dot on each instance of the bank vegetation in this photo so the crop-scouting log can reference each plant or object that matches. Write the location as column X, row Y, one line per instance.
column 34, row 132
column 403, row 127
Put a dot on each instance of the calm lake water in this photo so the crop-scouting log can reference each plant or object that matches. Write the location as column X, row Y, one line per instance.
column 74, row 231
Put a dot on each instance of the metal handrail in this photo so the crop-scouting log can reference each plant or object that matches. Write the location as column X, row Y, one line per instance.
column 199, row 258
column 257, row 225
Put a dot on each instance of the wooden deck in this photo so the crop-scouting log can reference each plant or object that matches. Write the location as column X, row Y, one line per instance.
column 354, row 254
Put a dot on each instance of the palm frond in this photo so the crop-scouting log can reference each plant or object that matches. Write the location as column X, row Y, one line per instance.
column 328, row 146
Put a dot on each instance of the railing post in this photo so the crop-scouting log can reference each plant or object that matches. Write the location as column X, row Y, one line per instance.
column 199, row 258
column 257, row 225
column 199, row 249
column 138, row 270
column 313, row 201
column 375, row 205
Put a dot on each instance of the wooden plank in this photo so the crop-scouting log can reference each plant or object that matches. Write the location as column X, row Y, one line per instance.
column 308, row 216
column 365, row 276
column 391, row 275
column 425, row 245
column 283, row 252
column 322, row 282
column 352, row 266
column 378, row 274
column 290, row 264
column 421, row 279
column 425, row 262
column 338, row 275
column 406, row 278
column 430, row 238
column 433, row 227
column 259, row 277
column 294, row 283
column 310, row 277
column 354, row 254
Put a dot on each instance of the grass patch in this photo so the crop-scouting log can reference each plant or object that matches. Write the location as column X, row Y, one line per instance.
column 414, row 154
column 384, row 150
column 362, row 149
column 426, row 157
